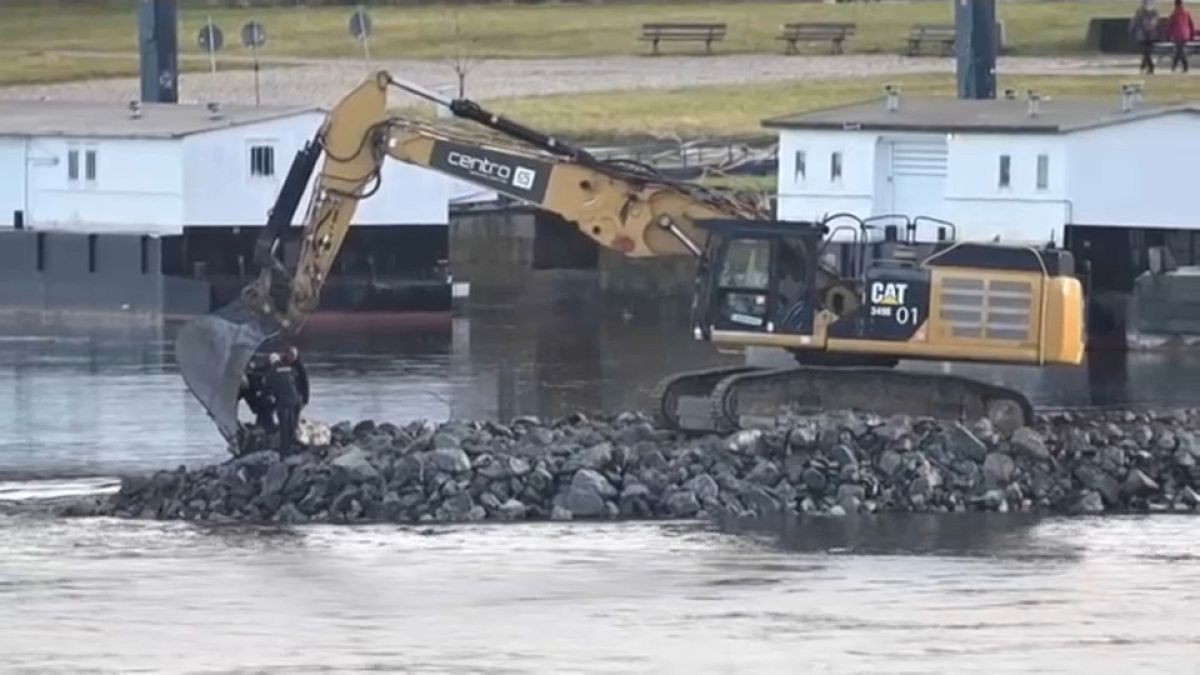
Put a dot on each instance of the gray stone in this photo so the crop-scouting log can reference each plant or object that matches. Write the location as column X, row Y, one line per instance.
column 476, row 514
column 837, row 510
column 802, row 438
column 489, row 501
column 850, row 504
column 1091, row 502
column 1030, row 443
column 587, row 479
column 444, row 441
column 1094, row 478
column 512, row 509
column 517, row 466
column 682, row 503
column 889, row 462
column 814, row 480
column 1185, row 459
column 998, row 468
column 487, row 466
column 1138, row 483
column 848, row 490
column 275, row 479
column 457, row 507
column 355, row 463
column 842, row 455
column 1189, row 496
column 597, row 457
column 962, row 442
column 764, row 473
column 560, row 513
column 995, row 500
column 584, row 503
column 744, row 442
column 705, row 488
column 450, row 460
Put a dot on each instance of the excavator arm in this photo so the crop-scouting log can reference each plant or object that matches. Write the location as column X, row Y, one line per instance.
column 624, row 206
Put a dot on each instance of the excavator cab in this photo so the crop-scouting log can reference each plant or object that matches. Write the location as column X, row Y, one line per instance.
column 759, row 277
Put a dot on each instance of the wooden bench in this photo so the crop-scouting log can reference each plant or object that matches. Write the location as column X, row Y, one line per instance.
column 940, row 33
column 1164, row 50
column 834, row 33
column 708, row 33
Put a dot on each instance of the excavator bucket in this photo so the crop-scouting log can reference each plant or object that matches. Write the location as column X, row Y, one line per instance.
column 213, row 352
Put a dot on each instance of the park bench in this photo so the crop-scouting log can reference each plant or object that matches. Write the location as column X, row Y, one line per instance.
column 940, row 33
column 834, row 33
column 707, row 33
column 1164, row 50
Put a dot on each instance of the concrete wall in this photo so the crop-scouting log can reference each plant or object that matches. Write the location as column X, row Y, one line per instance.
column 137, row 181
column 102, row 273
column 1139, row 174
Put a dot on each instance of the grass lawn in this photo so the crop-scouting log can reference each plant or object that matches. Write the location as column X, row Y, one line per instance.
column 736, row 111
column 525, row 31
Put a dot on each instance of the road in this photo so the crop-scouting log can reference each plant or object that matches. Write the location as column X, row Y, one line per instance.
column 321, row 82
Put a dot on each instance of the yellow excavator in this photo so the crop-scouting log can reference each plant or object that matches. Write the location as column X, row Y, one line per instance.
column 847, row 312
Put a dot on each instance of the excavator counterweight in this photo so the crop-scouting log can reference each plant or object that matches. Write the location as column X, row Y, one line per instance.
column 848, row 309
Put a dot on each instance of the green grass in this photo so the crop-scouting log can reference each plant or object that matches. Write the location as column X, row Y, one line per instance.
column 538, row 30
column 737, row 111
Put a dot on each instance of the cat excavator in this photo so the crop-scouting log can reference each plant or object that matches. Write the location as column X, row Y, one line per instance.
column 847, row 309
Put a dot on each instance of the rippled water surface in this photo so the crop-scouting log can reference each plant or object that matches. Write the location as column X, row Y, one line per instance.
column 1116, row 595
column 893, row 595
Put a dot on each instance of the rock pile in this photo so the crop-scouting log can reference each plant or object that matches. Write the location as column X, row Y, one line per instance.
column 624, row 467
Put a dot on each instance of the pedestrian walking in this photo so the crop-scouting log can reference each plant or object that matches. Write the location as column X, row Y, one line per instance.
column 1144, row 27
column 1180, row 31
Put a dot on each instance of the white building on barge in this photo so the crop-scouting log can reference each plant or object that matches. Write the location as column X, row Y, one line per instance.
column 90, row 189
column 1109, row 179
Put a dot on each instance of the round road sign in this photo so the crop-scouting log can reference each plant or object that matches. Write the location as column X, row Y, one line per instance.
column 360, row 24
column 253, row 34
column 210, row 38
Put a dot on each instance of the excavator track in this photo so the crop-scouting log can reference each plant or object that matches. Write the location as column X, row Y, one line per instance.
column 683, row 401
column 764, row 397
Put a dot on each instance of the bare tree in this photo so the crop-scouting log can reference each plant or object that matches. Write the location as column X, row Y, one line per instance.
column 463, row 59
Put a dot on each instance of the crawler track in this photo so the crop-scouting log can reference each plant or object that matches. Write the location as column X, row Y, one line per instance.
column 747, row 396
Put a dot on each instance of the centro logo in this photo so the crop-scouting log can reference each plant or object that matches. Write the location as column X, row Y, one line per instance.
column 480, row 165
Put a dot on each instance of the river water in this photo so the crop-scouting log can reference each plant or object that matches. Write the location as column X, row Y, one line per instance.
column 78, row 406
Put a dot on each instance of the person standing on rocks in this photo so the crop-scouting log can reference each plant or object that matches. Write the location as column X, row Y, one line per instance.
column 281, row 381
column 1180, row 31
column 1144, row 27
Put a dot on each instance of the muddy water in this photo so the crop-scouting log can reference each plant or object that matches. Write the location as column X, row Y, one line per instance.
column 898, row 595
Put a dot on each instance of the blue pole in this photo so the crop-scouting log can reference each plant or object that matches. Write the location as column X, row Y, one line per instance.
column 158, row 51
column 976, row 47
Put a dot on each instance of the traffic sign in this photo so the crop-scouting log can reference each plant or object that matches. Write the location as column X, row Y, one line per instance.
column 360, row 24
column 210, row 38
column 254, row 35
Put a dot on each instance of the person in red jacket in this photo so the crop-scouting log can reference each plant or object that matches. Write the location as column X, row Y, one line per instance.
column 1180, row 30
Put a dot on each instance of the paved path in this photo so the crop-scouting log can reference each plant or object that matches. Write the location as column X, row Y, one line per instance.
column 319, row 82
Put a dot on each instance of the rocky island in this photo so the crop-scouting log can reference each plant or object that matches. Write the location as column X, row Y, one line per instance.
column 624, row 467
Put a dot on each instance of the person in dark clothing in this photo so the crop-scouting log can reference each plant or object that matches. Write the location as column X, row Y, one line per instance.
column 258, row 398
column 1144, row 27
column 1180, row 31
column 293, row 357
column 281, row 382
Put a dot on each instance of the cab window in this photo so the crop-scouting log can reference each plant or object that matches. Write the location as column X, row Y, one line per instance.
column 747, row 264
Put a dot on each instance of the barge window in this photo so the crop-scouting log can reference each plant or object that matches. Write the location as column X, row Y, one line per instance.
column 90, row 165
column 1043, row 171
column 1005, row 170
column 262, row 160
column 835, row 167
column 798, row 171
column 73, row 165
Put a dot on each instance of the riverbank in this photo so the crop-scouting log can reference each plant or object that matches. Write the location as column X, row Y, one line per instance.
column 626, row 468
